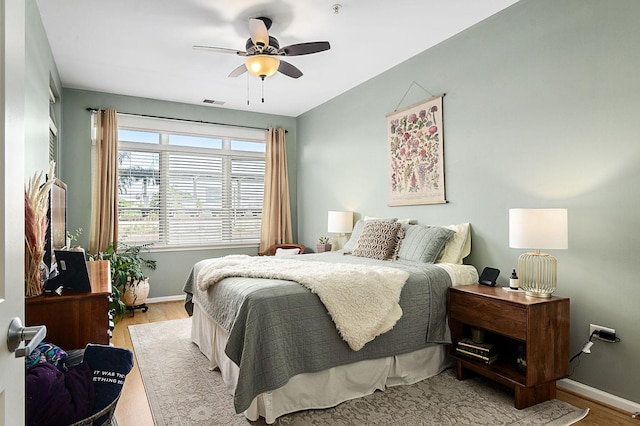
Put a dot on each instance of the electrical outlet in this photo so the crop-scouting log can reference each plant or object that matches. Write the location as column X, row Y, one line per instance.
column 593, row 327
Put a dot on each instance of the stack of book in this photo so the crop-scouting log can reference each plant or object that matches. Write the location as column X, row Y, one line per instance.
column 484, row 352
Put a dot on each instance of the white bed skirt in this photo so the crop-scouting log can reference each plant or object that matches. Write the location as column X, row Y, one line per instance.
column 324, row 389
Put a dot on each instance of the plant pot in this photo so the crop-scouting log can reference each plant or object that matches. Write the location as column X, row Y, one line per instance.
column 321, row 248
column 136, row 292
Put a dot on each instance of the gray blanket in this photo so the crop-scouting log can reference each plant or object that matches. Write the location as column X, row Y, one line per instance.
column 278, row 329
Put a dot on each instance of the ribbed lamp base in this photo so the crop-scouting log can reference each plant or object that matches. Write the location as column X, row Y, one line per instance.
column 538, row 273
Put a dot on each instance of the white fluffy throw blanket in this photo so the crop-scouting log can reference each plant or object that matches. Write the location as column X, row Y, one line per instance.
column 361, row 299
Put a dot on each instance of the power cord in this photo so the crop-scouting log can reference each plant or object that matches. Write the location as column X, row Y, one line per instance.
column 586, row 348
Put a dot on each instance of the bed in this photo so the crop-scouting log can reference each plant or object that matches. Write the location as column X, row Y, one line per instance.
column 280, row 349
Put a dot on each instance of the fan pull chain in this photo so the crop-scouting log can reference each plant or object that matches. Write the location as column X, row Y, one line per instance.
column 262, row 88
column 247, row 89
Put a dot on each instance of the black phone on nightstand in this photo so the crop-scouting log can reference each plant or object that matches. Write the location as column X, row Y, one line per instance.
column 489, row 276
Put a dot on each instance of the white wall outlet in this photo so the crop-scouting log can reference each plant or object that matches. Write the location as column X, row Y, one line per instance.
column 593, row 327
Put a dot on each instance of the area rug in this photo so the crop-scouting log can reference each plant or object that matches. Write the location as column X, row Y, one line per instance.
column 182, row 391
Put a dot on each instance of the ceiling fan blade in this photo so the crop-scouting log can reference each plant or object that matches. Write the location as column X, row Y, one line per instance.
column 259, row 33
column 289, row 70
column 304, row 48
column 221, row 50
column 238, row 71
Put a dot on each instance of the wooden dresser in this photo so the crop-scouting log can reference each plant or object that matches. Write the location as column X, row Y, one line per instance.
column 75, row 319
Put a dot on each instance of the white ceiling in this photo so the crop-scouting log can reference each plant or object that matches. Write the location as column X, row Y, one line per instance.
column 143, row 48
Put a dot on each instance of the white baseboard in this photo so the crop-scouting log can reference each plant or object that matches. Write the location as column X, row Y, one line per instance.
column 598, row 395
column 165, row 299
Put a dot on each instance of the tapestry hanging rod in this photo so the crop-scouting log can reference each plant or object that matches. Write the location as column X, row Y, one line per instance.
column 93, row 109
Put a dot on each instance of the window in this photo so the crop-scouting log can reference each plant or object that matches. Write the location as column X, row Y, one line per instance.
column 183, row 184
column 53, row 130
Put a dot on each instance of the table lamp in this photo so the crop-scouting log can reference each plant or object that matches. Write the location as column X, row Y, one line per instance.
column 538, row 229
column 340, row 223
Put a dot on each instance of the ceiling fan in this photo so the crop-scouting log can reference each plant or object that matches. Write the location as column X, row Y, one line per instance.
column 263, row 52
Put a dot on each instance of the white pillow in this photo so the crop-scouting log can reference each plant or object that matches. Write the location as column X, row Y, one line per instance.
column 386, row 219
column 402, row 221
column 283, row 252
column 459, row 245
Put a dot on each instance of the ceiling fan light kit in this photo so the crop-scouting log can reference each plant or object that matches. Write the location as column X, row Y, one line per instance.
column 262, row 65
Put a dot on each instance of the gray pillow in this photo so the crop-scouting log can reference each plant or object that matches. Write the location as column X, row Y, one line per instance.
column 423, row 243
column 379, row 240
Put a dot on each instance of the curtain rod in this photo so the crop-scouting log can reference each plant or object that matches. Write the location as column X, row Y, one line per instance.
column 93, row 109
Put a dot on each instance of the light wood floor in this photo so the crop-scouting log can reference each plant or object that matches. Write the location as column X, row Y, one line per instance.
column 133, row 407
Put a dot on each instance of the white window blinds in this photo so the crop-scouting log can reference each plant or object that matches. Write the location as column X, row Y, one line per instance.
column 183, row 185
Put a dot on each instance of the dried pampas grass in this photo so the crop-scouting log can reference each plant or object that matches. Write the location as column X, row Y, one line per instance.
column 36, row 204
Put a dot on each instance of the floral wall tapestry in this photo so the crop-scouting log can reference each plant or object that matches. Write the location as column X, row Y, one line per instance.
column 416, row 154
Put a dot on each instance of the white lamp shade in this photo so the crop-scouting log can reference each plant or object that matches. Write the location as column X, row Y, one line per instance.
column 538, row 228
column 340, row 222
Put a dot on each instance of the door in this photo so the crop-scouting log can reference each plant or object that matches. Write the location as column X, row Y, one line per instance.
column 12, row 60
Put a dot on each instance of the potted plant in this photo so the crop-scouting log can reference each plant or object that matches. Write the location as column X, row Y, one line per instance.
column 71, row 240
column 129, row 284
column 323, row 245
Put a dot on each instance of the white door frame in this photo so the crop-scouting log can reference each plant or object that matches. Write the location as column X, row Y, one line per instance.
column 12, row 94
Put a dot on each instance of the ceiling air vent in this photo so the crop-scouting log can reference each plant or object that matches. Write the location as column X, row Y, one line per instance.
column 212, row 102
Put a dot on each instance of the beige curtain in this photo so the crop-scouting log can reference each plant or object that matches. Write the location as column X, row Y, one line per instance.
column 104, row 209
column 276, row 208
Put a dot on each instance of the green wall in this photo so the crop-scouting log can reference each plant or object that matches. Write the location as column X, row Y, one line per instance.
column 540, row 110
column 173, row 266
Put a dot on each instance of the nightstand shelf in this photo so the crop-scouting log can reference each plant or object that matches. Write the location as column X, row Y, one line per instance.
column 535, row 329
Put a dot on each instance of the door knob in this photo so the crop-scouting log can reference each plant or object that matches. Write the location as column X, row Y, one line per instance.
column 17, row 333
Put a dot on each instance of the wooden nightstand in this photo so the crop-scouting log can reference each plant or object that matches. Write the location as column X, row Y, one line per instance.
column 516, row 325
